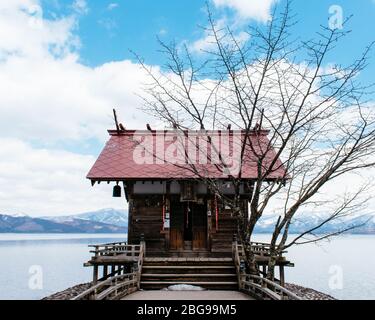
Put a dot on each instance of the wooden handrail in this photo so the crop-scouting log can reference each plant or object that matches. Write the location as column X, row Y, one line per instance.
column 142, row 253
column 267, row 288
column 258, row 286
column 115, row 249
column 108, row 244
column 123, row 284
column 116, row 286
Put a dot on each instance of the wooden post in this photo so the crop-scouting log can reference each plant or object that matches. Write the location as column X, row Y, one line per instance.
column 209, row 224
column 95, row 274
column 264, row 270
column 168, row 209
column 282, row 276
column 105, row 271
column 143, row 243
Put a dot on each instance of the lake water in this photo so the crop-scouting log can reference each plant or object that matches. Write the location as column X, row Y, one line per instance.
column 344, row 267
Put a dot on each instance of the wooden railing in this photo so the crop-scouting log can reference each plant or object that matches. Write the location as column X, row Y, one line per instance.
column 237, row 252
column 113, row 249
column 255, row 285
column 116, row 285
column 141, row 256
column 263, row 288
column 262, row 249
column 113, row 288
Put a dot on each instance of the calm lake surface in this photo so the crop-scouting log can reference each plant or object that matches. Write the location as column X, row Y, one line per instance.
column 344, row 267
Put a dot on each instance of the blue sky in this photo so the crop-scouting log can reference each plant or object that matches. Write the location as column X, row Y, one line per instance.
column 111, row 28
column 64, row 64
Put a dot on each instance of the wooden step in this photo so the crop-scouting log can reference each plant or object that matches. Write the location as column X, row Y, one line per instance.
column 194, row 261
column 189, row 267
column 218, row 285
column 202, row 269
column 189, row 277
column 161, row 275
column 188, row 270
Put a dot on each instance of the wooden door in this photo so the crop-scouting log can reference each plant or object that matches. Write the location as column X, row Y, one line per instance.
column 199, row 212
column 177, row 225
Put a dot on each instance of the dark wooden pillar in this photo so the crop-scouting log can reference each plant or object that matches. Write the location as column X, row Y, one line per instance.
column 130, row 221
column 264, row 267
column 168, row 210
column 282, row 276
column 95, row 274
column 209, row 223
column 105, row 271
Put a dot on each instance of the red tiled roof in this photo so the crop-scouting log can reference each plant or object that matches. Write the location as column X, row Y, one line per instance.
column 116, row 161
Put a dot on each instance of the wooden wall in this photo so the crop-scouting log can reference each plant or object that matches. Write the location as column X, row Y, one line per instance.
column 145, row 218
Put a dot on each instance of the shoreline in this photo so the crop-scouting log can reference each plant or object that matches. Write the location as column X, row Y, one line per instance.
column 303, row 292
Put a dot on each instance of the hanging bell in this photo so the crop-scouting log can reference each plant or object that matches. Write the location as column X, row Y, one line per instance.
column 117, row 191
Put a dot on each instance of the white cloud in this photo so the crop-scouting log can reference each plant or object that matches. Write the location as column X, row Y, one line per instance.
column 48, row 98
column 48, row 182
column 108, row 23
column 245, row 10
column 249, row 9
column 112, row 6
column 207, row 42
column 24, row 32
column 80, row 6
column 163, row 32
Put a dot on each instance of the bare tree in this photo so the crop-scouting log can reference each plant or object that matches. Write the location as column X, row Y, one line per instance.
column 320, row 125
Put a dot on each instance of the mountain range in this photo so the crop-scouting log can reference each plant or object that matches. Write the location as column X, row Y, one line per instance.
column 364, row 224
column 116, row 221
column 108, row 216
column 102, row 221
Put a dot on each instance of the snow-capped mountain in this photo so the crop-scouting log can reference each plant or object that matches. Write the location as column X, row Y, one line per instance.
column 111, row 216
column 364, row 224
column 17, row 215
column 108, row 216
column 26, row 224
